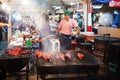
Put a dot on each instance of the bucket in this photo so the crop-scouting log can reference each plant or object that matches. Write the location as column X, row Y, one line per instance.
column 112, row 67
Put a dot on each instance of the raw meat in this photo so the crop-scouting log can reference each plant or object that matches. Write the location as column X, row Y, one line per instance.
column 47, row 57
column 61, row 56
column 39, row 53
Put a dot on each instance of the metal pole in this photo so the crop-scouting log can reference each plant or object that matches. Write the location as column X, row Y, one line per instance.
column 89, row 16
column 9, row 29
column 85, row 16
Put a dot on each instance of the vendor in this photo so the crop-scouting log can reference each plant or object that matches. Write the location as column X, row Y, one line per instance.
column 65, row 26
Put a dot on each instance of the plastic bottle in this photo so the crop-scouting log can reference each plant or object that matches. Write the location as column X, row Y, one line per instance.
column 28, row 42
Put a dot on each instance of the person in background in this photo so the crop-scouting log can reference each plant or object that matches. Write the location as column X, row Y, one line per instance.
column 76, row 20
column 45, row 33
column 80, row 23
column 66, row 25
column 58, row 22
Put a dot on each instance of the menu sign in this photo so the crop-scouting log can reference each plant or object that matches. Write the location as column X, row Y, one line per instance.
column 114, row 3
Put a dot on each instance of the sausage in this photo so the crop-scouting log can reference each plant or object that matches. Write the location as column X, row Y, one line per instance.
column 80, row 55
column 24, row 52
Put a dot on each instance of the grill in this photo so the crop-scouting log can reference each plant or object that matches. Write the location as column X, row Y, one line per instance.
column 12, row 65
column 101, row 42
column 88, row 64
column 101, row 45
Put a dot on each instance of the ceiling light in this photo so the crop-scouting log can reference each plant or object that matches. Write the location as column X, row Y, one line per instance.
column 97, row 6
column 72, row 3
column 116, row 12
column 101, row 14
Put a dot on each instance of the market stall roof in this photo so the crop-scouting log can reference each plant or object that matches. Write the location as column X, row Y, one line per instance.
column 59, row 5
column 45, row 5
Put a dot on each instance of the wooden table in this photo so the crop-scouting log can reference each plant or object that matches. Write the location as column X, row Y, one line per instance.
column 89, row 36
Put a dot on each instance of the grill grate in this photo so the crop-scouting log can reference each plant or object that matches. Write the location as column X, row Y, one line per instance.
column 87, row 60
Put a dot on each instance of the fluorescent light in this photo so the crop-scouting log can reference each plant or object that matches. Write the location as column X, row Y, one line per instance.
column 72, row 3
column 58, row 7
column 101, row 14
column 116, row 12
column 97, row 6
column 59, row 11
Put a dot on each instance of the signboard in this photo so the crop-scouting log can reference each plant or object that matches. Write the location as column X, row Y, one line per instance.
column 114, row 3
column 101, row 1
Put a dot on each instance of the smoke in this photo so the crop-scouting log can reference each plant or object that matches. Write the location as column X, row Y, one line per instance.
column 44, row 31
column 32, row 11
column 41, row 24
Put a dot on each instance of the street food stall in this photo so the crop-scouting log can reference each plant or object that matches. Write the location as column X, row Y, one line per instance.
column 12, row 62
column 24, row 45
column 68, row 62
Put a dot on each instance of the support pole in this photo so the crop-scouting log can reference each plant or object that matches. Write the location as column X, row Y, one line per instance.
column 89, row 27
column 85, row 16
column 9, row 29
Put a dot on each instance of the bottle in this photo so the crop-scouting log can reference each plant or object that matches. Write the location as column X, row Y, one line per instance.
column 28, row 42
